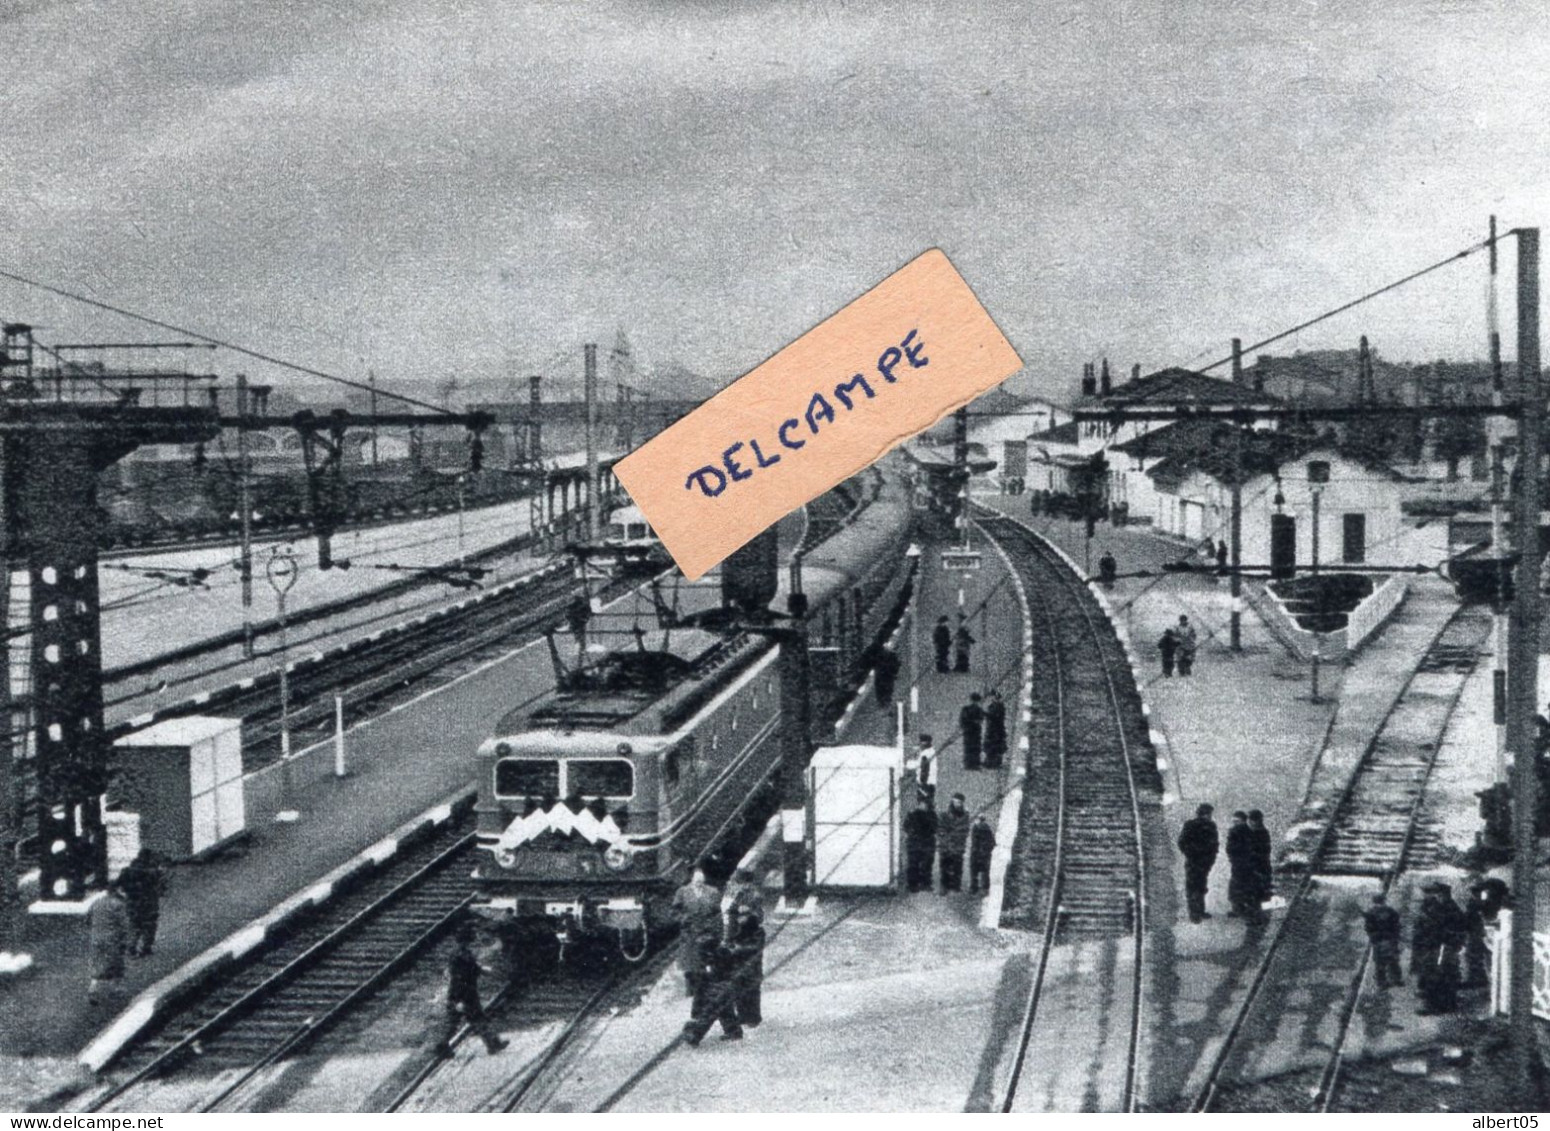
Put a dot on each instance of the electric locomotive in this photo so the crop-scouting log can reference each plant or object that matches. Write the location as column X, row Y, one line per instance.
column 596, row 800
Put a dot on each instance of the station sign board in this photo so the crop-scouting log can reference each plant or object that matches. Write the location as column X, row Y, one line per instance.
column 961, row 560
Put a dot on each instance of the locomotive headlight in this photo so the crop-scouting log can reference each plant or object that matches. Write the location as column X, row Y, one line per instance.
column 616, row 858
column 506, row 857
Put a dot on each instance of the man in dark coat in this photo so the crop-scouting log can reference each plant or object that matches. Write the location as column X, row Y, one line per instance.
column 942, row 639
column 962, row 642
column 1243, row 883
column 1383, row 930
column 463, row 1004
column 1168, row 645
column 1477, row 955
column 1264, row 865
column 697, row 910
column 982, row 843
column 1184, row 633
column 971, row 721
column 1199, row 843
column 1435, row 941
column 885, row 674
column 713, row 995
column 995, row 731
column 143, row 885
column 919, row 846
column 745, row 946
column 1108, row 569
column 952, row 837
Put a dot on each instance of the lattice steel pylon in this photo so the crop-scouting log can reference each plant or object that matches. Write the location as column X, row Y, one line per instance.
column 61, row 424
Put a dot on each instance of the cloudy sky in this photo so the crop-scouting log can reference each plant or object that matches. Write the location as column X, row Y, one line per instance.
column 432, row 188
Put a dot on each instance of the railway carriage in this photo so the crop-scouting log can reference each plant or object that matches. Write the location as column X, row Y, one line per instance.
column 595, row 801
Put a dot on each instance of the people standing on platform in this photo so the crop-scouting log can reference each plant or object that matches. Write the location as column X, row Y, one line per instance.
column 982, row 843
column 463, row 1004
column 745, row 946
column 743, row 894
column 1264, row 863
column 942, row 639
column 713, row 996
column 1435, row 941
column 971, row 721
column 108, row 930
column 1477, row 955
column 924, row 766
column 963, row 641
column 1187, row 644
column 1199, row 843
column 143, row 884
column 919, row 846
column 995, row 731
column 885, row 673
column 1168, row 646
column 1243, row 883
column 952, row 836
column 1383, row 932
column 1108, row 569
column 697, row 910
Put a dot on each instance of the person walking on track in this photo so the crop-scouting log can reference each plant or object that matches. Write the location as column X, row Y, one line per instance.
column 952, row 837
column 1199, row 843
column 463, row 1004
column 942, row 639
column 1383, row 931
column 963, row 641
column 995, row 731
column 982, row 843
column 971, row 721
column 713, row 995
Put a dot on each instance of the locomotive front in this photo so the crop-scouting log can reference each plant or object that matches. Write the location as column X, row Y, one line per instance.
column 565, row 827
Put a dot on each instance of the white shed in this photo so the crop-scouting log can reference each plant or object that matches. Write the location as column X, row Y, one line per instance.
column 854, row 817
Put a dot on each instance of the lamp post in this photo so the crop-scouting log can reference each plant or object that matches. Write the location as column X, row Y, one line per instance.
column 281, row 571
column 1316, row 486
column 918, row 579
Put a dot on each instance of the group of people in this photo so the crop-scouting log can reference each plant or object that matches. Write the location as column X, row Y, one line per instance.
column 721, row 952
column 1443, row 934
column 955, row 643
column 1251, row 882
column 1178, row 644
column 123, row 922
column 944, row 839
column 982, row 729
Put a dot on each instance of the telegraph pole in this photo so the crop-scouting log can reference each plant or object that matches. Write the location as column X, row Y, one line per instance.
column 1497, row 429
column 1235, row 535
column 245, row 508
column 1523, row 670
column 590, row 357
column 371, row 376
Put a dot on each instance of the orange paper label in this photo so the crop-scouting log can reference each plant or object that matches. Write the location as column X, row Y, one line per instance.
column 889, row 365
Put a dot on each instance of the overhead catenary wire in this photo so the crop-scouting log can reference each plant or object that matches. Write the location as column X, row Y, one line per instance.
column 257, row 355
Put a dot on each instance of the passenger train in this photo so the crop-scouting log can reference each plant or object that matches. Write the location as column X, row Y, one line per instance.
column 595, row 802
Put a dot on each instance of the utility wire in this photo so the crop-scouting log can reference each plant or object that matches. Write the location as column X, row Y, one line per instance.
column 221, row 343
column 1454, row 258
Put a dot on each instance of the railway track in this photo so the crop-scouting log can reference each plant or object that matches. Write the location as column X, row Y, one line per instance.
column 212, row 1052
column 1376, row 832
column 380, row 667
column 1083, row 816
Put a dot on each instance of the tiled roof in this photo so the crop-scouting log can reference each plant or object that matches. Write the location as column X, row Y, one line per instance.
column 1184, row 386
